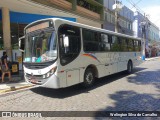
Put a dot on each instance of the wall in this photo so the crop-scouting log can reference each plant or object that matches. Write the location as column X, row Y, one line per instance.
column 90, row 22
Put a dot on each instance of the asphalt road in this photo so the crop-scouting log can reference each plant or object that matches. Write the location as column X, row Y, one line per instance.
column 139, row 91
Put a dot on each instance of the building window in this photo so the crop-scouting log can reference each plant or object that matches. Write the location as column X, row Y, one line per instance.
column 108, row 17
column 129, row 25
column 16, row 32
column 105, row 16
column 87, row 5
column 112, row 19
column 125, row 24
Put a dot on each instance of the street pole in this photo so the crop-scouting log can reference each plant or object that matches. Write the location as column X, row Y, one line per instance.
column 116, row 21
column 117, row 7
column 144, row 25
column 144, row 42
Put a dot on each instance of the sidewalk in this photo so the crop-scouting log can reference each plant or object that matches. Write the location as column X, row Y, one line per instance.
column 18, row 83
column 152, row 58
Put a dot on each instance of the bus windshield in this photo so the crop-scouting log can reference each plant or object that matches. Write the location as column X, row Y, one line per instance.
column 40, row 47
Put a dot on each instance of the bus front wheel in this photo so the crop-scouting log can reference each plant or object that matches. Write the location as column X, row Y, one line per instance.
column 89, row 77
column 129, row 67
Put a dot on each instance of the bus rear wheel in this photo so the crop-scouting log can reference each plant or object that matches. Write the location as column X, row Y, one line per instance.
column 129, row 67
column 89, row 77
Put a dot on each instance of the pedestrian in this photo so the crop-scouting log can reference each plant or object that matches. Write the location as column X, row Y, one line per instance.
column 5, row 67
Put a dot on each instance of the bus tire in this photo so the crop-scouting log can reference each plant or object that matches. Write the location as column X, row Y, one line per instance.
column 89, row 78
column 129, row 67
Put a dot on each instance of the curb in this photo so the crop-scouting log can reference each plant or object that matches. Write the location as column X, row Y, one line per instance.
column 150, row 59
column 13, row 88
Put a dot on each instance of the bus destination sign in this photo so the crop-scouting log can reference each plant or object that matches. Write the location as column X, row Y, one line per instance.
column 37, row 27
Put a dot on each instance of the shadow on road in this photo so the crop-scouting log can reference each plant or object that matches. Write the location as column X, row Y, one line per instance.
column 146, row 78
column 77, row 89
column 131, row 101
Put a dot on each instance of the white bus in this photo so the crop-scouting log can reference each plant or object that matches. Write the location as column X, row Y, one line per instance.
column 60, row 53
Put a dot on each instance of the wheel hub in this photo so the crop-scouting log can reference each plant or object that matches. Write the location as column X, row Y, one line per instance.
column 89, row 77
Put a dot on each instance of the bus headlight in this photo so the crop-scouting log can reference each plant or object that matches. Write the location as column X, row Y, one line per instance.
column 51, row 72
column 48, row 74
column 44, row 76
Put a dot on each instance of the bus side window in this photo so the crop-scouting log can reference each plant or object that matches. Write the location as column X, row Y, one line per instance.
column 110, row 39
column 136, row 45
column 130, row 45
column 105, row 42
column 124, row 45
column 139, row 45
column 115, row 44
column 91, row 40
column 119, row 44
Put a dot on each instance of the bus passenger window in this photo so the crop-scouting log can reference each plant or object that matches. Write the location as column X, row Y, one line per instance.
column 115, row 46
column 91, row 40
column 130, row 45
column 139, row 45
column 105, row 42
column 124, row 45
column 136, row 45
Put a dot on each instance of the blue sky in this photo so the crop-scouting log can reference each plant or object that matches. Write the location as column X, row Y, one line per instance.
column 142, row 3
column 150, row 7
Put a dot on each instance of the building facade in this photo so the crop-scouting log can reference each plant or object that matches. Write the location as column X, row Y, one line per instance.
column 153, row 33
column 125, row 18
column 16, row 14
column 144, row 28
column 153, row 40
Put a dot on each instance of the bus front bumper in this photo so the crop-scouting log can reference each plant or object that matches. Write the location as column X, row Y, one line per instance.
column 51, row 82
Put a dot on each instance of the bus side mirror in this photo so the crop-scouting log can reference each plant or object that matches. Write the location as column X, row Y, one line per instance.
column 66, row 41
column 21, row 43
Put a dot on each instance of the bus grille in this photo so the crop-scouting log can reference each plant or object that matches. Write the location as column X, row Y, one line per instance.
column 35, row 76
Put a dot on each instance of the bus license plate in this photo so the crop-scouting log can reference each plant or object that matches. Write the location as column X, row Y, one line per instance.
column 33, row 81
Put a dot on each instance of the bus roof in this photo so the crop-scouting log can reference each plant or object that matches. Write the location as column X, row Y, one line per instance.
column 84, row 26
